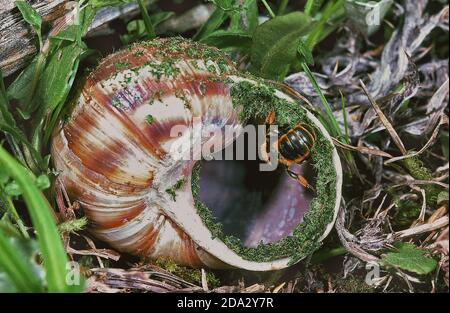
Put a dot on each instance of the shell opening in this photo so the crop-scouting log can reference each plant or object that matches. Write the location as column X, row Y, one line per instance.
column 252, row 205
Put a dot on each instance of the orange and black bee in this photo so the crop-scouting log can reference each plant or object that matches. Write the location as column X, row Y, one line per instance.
column 294, row 146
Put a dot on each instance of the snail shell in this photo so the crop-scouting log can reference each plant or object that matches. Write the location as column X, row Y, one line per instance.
column 115, row 152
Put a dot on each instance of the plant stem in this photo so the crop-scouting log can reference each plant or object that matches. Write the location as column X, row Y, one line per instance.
column 11, row 209
column 323, row 255
column 29, row 103
column 52, row 249
column 16, row 267
column 282, row 7
column 344, row 114
column 147, row 22
column 335, row 130
column 272, row 15
column 319, row 29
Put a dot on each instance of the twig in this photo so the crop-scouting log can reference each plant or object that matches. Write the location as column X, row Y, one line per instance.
column 443, row 121
column 279, row 287
column 101, row 253
column 418, row 230
column 398, row 142
column 204, row 281
column 363, row 150
column 422, row 182
column 349, row 241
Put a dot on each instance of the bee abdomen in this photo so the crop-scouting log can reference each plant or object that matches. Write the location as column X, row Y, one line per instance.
column 297, row 143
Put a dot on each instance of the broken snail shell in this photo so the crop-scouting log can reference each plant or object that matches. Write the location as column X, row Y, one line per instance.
column 115, row 154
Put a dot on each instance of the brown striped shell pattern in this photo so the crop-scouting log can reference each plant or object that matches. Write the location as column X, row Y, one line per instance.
column 115, row 151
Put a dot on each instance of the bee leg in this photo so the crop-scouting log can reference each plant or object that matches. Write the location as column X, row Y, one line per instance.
column 300, row 179
column 263, row 152
column 270, row 118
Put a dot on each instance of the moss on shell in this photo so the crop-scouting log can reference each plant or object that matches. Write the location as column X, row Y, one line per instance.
column 255, row 102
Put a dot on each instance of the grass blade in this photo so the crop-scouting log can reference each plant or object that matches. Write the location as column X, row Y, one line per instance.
column 268, row 8
column 312, row 6
column 282, row 7
column 6, row 201
column 214, row 21
column 17, row 269
column 344, row 114
column 331, row 120
column 147, row 21
column 319, row 28
column 50, row 244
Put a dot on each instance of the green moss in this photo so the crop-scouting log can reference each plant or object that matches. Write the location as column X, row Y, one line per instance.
column 256, row 101
column 179, row 93
column 353, row 284
column 149, row 119
column 122, row 65
column 419, row 171
column 173, row 190
column 177, row 48
column 72, row 226
column 407, row 212
column 164, row 68
column 191, row 275
column 169, row 51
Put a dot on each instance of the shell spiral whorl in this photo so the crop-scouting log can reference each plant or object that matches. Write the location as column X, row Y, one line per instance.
column 115, row 153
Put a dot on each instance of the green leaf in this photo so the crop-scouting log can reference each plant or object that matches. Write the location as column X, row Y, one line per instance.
column 245, row 17
column 19, row 88
column 32, row 17
column 56, row 78
column 8, row 229
column 4, row 177
column 5, row 114
column 50, row 244
column 329, row 120
column 43, row 182
column 18, row 135
column 11, row 212
column 275, row 44
column 17, row 266
column 214, row 21
column 252, row 15
column 226, row 5
column 305, row 53
column 312, row 7
column 268, row 8
column 147, row 21
column 321, row 28
column 96, row 4
column 12, row 189
column 136, row 28
column 161, row 17
column 70, row 33
column 408, row 257
column 229, row 40
column 6, row 285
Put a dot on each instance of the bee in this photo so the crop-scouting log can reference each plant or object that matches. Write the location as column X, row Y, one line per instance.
column 294, row 147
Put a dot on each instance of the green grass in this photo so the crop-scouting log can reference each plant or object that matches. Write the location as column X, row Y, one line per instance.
column 50, row 244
